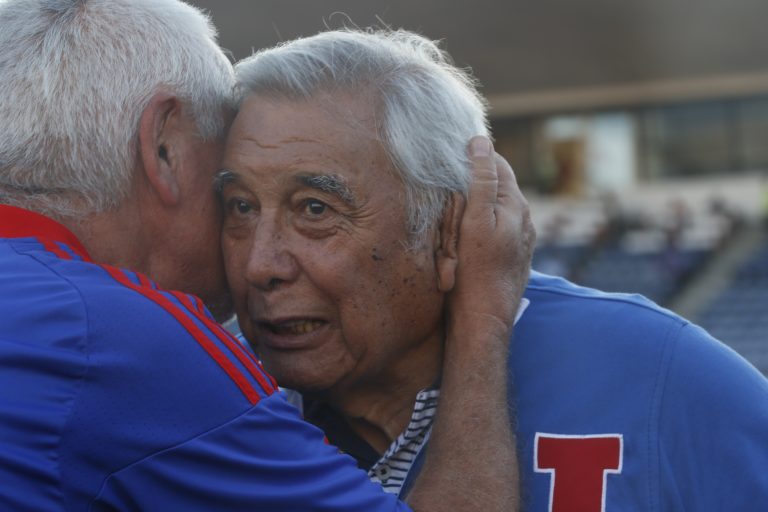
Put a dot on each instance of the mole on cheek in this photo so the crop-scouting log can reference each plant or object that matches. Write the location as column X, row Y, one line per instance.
column 375, row 255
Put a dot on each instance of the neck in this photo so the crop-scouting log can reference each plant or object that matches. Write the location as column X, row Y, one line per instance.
column 121, row 237
column 379, row 409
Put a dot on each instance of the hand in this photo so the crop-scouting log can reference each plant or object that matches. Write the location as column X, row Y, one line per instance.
column 493, row 258
column 496, row 241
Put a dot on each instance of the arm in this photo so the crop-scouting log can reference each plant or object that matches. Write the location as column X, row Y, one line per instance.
column 496, row 240
column 265, row 459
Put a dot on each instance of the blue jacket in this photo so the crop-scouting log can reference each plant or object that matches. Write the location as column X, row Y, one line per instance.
column 117, row 395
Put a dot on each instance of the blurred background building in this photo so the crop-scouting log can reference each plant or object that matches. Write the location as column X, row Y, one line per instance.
column 638, row 130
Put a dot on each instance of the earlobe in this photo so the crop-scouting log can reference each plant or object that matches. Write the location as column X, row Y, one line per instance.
column 157, row 131
column 446, row 253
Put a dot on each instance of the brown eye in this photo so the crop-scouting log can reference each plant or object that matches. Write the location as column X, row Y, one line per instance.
column 315, row 207
column 238, row 206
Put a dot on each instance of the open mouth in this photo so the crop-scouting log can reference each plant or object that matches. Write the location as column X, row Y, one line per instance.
column 292, row 327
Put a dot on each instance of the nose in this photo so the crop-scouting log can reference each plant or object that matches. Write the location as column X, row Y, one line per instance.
column 270, row 261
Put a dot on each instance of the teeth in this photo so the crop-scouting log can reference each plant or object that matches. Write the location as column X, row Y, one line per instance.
column 298, row 327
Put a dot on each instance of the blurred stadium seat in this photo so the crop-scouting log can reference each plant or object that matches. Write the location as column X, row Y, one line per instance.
column 739, row 314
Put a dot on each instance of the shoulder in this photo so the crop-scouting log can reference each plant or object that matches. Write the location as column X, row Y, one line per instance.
column 562, row 312
column 169, row 339
column 552, row 289
column 626, row 327
column 576, row 312
column 712, row 415
column 573, row 344
column 42, row 308
column 121, row 321
column 707, row 379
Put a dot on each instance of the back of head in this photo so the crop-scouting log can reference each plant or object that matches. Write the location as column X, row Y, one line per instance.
column 428, row 109
column 76, row 76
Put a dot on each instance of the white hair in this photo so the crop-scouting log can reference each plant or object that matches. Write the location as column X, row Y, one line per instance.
column 75, row 76
column 428, row 108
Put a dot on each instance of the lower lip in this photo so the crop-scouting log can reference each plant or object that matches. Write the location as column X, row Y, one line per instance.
column 272, row 341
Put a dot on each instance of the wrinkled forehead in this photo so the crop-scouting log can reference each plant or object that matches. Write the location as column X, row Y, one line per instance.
column 358, row 107
column 332, row 137
column 338, row 119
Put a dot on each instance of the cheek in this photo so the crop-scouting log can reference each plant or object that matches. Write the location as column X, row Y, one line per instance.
column 206, row 234
column 394, row 297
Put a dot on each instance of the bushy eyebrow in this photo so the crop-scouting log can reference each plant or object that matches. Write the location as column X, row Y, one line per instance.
column 330, row 184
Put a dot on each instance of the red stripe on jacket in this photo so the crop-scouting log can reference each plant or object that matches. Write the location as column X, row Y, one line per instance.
column 53, row 247
column 204, row 341
column 250, row 354
column 253, row 366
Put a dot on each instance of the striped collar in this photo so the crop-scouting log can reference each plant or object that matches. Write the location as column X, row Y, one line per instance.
column 20, row 223
column 392, row 468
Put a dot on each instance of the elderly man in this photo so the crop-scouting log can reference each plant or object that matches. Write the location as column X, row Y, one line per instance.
column 340, row 191
column 118, row 394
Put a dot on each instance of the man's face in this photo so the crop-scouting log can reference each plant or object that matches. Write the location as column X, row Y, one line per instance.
column 313, row 241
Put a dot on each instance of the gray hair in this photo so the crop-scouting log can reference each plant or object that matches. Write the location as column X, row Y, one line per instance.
column 76, row 76
column 428, row 108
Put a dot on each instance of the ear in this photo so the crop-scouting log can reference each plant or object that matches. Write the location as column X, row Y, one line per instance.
column 446, row 246
column 159, row 152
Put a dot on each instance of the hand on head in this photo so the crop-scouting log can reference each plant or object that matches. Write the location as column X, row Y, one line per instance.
column 496, row 240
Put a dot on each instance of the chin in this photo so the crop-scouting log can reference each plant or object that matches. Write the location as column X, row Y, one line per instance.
column 304, row 382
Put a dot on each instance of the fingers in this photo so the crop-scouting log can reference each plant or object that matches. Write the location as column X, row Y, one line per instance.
column 494, row 244
column 484, row 187
column 510, row 198
column 506, row 177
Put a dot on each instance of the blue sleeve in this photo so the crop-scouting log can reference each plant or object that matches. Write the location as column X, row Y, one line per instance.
column 266, row 459
column 713, row 429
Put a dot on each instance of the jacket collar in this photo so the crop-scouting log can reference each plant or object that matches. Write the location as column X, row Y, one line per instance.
column 20, row 223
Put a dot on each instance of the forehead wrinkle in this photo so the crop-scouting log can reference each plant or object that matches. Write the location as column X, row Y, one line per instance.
column 254, row 140
column 329, row 183
column 289, row 139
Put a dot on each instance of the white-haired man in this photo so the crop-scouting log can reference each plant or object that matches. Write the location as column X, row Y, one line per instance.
column 117, row 394
column 340, row 158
